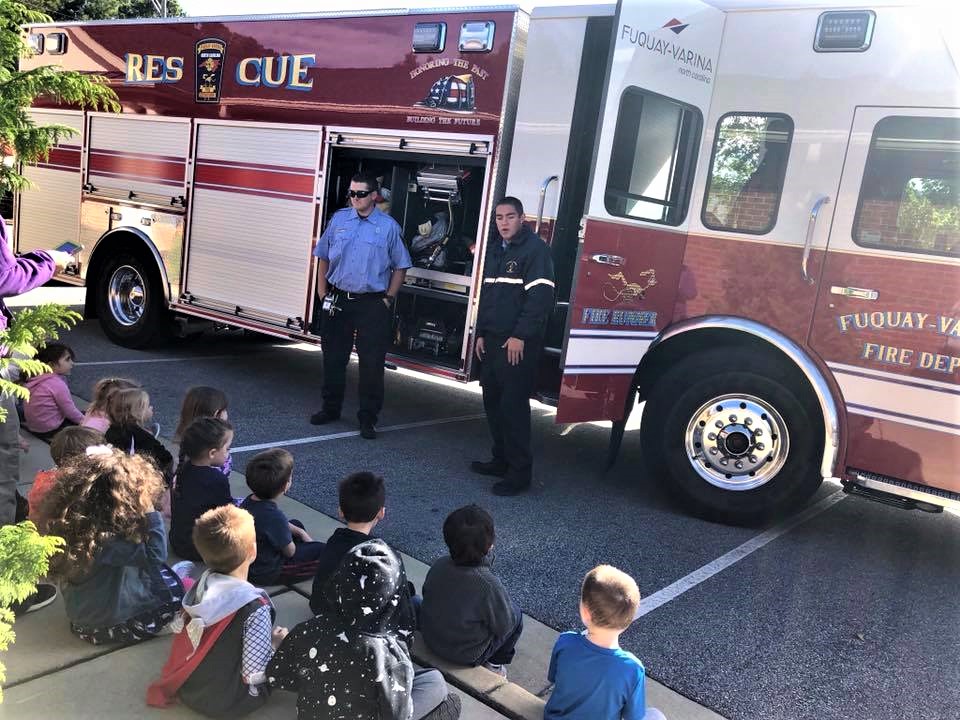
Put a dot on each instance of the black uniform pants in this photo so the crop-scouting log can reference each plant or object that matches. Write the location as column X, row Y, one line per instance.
column 506, row 400
column 364, row 321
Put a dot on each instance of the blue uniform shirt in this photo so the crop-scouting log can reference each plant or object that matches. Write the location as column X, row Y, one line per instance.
column 594, row 683
column 362, row 252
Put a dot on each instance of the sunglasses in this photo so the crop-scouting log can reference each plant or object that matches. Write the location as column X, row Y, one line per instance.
column 358, row 193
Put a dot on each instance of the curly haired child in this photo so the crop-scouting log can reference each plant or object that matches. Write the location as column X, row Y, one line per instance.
column 96, row 415
column 50, row 407
column 129, row 411
column 113, row 575
column 202, row 401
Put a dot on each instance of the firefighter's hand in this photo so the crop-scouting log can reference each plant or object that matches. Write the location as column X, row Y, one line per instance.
column 478, row 349
column 514, row 348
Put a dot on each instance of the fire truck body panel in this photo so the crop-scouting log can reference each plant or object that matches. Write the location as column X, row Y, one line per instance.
column 744, row 236
column 893, row 389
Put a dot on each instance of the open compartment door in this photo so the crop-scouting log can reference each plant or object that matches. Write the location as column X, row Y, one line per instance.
column 435, row 187
column 252, row 220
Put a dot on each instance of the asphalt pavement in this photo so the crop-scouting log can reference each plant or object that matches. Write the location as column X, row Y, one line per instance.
column 850, row 614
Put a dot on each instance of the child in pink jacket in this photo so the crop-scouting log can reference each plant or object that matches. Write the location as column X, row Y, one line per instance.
column 50, row 407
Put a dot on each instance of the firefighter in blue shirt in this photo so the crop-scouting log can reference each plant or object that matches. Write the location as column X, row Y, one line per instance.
column 515, row 304
column 361, row 265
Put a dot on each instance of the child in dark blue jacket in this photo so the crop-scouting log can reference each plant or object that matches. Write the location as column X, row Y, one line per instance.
column 200, row 484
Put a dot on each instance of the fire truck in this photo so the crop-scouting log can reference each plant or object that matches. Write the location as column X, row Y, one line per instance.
column 752, row 208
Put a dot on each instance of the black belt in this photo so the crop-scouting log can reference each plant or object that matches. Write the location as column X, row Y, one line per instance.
column 346, row 294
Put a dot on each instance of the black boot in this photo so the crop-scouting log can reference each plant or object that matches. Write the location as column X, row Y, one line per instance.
column 494, row 468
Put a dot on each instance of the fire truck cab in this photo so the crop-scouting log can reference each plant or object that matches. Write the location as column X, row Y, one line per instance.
column 752, row 207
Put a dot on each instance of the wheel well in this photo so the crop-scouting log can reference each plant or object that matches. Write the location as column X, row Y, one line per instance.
column 666, row 354
column 109, row 247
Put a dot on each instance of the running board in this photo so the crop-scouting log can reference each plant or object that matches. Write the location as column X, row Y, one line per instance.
column 900, row 493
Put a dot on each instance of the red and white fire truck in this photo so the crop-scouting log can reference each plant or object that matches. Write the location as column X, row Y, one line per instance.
column 752, row 207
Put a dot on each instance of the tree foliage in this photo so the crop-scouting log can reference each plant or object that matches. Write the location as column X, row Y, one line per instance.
column 74, row 10
column 19, row 135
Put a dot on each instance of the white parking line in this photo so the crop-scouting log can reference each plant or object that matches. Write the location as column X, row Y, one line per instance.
column 688, row 582
column 353, row 433
column 153, row 360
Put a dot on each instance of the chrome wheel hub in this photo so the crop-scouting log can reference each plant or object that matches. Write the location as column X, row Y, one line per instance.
column 737, row 442
column 126, row 295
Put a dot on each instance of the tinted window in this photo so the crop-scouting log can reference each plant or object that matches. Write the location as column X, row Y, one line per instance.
column 746, row 172
column 910, row 196
column 653, row 157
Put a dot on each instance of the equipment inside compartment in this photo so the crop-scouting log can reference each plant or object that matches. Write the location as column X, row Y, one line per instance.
column 436, row 200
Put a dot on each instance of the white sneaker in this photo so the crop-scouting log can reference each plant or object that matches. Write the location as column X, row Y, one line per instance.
column 500, row 670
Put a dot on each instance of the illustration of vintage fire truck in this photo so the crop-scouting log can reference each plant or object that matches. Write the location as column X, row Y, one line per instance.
column 753, row 209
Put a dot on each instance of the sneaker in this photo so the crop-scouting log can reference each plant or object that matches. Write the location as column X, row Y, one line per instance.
column 494, row 468
column 45, row 594
column 368, row 431
column 323, row 417
column 449, row 709
column 500, row 670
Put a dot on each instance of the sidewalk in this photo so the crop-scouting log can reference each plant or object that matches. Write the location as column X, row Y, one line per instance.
column 52, row 674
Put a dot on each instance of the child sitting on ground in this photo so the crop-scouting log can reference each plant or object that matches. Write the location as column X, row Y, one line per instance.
column 467, row 617
column 226, row 637
column 69, row 443
column 285, row 552
column 200, row 484
column 50, row 407
column 96, row 415
column 362, row 496
column 130, row 410
column 593, row 678
column 203, row 402
column 115, row 583
column 347, row 663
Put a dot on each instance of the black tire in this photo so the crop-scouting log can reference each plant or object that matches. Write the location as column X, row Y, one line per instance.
column 675, row 403
column 138, row 317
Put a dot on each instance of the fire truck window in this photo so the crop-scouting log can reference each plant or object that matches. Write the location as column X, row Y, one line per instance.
column 746, row 172
column 910, row 196
column 652, row 159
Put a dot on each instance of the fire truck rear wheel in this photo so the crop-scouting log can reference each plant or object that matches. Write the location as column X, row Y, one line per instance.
column 734, row 439
column 130, row 302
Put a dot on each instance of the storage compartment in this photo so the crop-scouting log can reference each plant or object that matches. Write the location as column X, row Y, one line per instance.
column 438, row 201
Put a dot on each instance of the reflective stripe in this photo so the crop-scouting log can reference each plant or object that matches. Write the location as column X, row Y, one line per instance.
column 541, row 281
column 512, row 281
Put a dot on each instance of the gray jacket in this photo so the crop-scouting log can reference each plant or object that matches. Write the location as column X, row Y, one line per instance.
column 124, row 581
column 466, row 611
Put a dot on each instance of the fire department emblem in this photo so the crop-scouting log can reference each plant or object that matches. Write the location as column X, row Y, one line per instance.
column 512, row 266
column 210, row 56
column 621, row 291
column 453, row 93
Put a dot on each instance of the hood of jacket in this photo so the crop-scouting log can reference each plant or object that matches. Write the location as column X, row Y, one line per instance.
column 214, row 597
column 35, row 383
column 365, row 589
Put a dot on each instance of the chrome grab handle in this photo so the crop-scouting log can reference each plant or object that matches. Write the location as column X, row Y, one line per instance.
column 543, row 196
column 808, row 243
column 607, row 259
column 853, row 292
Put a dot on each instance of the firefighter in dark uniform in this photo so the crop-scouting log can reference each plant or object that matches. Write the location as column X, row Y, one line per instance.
column 361, row 265
column 515, row 303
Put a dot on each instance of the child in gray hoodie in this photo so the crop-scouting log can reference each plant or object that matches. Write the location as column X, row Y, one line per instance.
column 225, row 636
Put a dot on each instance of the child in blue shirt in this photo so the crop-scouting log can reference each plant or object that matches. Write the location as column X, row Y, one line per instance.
column 594, row 679
column 286, row 554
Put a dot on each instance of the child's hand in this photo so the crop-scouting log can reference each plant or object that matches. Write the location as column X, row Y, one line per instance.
column 23, row 443
column 279, row 633
column 300, row 534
